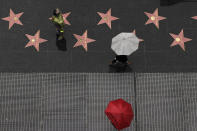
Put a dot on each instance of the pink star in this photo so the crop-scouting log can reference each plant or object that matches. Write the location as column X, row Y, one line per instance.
column 13, row 18
column 65, row 18
column 194, row 17
column 107, row 18
column 179, row 40
column 154, row 18
column 134, row 32
column 35, row 40
column 83, row 40
column 65, row 15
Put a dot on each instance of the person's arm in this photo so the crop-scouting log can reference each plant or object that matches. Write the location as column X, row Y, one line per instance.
column 52, row 18
column 62, row 19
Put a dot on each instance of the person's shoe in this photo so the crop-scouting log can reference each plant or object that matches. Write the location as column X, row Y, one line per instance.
column 118, row 64
column 114, row 63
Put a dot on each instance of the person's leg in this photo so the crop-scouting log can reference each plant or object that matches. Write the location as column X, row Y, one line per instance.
column 118, row 58
column 60, row 32
column 122, row 58
column 114, row 61
column 57, row 29
column 125, row 58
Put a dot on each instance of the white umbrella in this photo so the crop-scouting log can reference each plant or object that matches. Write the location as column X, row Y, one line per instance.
column 125, row 43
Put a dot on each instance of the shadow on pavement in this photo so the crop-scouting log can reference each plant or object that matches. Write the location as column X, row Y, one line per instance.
column 120, row 69
column 61, row 44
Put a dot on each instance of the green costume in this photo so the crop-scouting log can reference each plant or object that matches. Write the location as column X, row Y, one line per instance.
column 59, row 22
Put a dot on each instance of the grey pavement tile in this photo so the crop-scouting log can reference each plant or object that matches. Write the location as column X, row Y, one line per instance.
column 63, row 104
column 159, row 113
column 191, row 114
column 105, row 85
column 166, row 101
column 20, row 102
column 166, row 84
column 76, row 101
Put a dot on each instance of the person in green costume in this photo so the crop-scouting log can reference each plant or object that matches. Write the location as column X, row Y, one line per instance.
column 58, row 21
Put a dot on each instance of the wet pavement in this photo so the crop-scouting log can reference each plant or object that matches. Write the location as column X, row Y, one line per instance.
column 153, row 55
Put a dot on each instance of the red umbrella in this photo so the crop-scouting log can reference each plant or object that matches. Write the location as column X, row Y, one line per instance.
column 120, row 113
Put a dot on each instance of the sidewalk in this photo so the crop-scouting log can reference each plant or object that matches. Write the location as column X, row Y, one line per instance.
column 76, row 101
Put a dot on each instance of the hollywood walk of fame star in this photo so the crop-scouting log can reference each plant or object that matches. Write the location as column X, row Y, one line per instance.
column 154, row 18
column 83, row 40
column 65, row 15
column 13, row 18
column 179, row 40
column 194, row 17
column 134, row 32
column 35, row 40
column 107, row 18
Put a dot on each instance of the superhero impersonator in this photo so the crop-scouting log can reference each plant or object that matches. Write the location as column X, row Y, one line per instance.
column 58, row 21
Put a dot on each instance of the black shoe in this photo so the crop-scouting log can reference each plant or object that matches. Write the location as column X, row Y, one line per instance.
column 114, row 61
column 118, row 64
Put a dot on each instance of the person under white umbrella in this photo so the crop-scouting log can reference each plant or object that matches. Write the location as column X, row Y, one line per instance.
column 124, row 44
